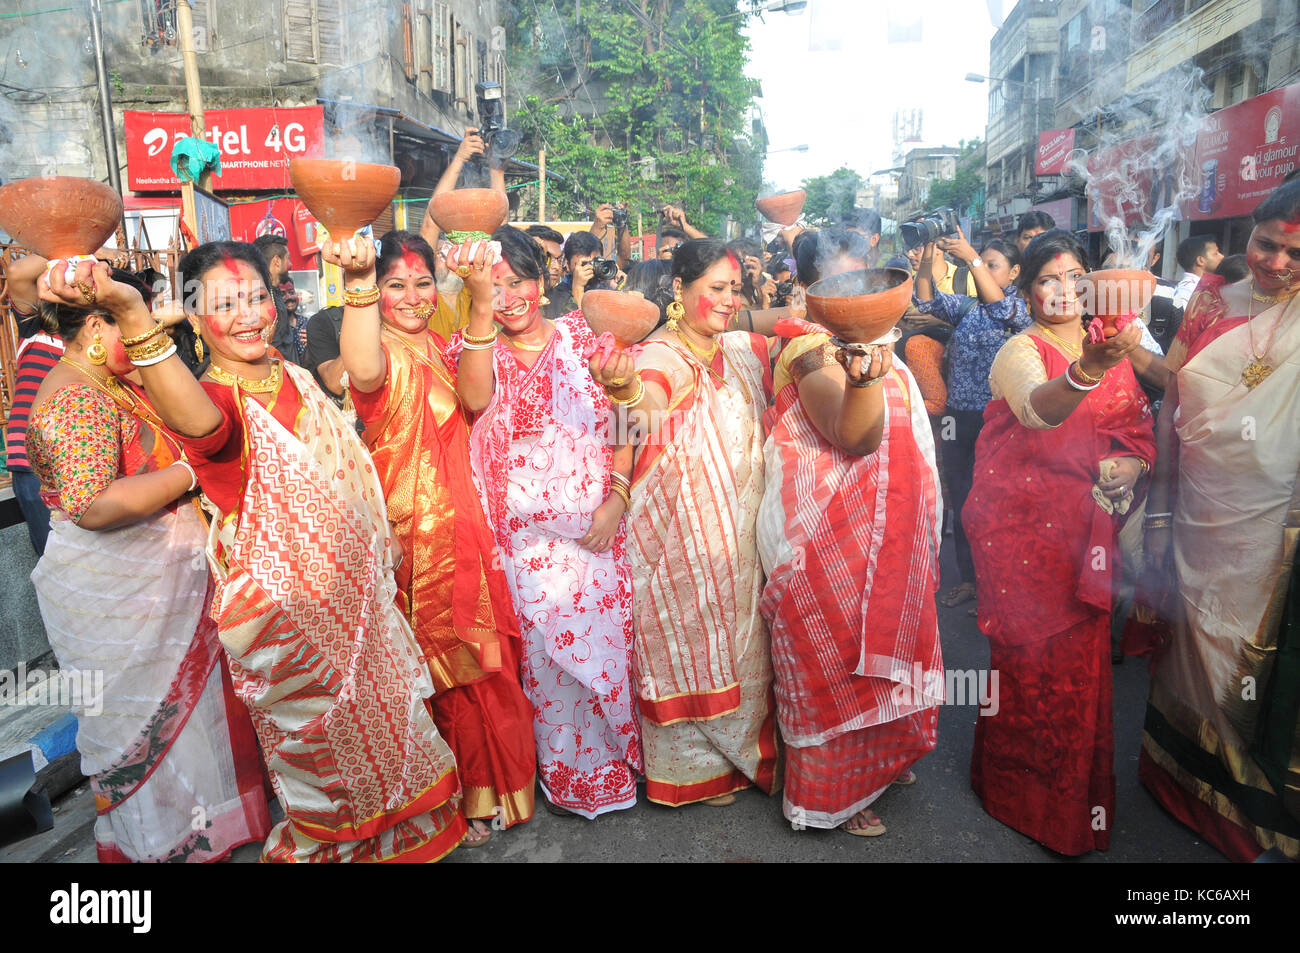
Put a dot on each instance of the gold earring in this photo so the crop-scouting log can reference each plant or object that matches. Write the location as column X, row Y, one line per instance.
column 543, row 301
column 676, row 311
column 198, row 348
column 97, row 353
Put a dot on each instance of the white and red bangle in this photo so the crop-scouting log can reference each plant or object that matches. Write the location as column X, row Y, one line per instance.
column 1077, row 383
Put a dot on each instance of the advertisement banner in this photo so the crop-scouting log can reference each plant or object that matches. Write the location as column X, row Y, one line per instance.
column 1243, row 153
column 1054, row 148
column 251, row 220
column 256, row 145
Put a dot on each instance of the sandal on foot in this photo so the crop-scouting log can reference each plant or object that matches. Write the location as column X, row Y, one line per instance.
column 722, row 800
column 471, row 841
column 906, row 778
column 957, row 595
column 557, row 810
column 871, row 830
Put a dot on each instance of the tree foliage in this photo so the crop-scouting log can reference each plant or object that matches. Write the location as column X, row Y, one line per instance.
column 959, row 191
column 606, row 94
column 831, row 197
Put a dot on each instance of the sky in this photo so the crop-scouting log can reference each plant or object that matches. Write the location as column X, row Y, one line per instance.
column 841, row 102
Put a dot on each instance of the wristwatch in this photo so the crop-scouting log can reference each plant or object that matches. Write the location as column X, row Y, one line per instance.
column 976, row 262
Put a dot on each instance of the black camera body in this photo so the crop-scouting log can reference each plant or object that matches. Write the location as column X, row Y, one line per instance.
column 783, row 291
column 604, row 269
column 620, row 218
column 500, row 142
column 929, row 227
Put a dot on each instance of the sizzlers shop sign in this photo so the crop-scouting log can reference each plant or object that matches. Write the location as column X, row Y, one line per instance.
column 256, row 145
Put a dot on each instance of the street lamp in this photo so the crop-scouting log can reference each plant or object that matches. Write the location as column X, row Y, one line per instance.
column 788, row 7
column 802, row 147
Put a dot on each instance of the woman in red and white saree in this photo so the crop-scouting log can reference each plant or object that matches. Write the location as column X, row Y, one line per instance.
column 1221, row 743
column 850, row 531
column 170, row 752
column 305, row 604
column 701, row 659
column 402, row 378
column 545, row 459
column 1065, row 441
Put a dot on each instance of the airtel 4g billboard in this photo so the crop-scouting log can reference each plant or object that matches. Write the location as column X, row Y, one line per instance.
column 256, row 145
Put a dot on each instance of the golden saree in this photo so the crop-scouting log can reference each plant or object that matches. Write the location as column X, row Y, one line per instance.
column 451, row 586
column 329, row 670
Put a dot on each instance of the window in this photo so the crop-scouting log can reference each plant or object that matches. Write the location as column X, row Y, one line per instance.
column 159, row 18
column 442, row 48
column 313, row 31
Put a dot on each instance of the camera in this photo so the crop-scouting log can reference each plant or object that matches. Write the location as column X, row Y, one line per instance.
column 783, row 291
column 620, row 218
column 604, row 269
column 501, row 143
column 929, row 227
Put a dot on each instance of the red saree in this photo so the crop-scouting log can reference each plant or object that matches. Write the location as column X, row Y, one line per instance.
column 450, row 585
column 1045, row 555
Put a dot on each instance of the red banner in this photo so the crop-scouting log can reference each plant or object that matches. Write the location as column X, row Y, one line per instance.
column 256, row 145
column 1054, row 148
column 1243, row 153
column 251, row 220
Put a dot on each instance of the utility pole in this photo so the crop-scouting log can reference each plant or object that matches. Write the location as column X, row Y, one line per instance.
column 105, row 100
column 541, row 185
column 194, row 102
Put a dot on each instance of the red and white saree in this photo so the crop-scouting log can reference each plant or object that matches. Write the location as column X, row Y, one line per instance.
column 701, row 658
column 320, row 653
column 851, row 548
column 542, row 452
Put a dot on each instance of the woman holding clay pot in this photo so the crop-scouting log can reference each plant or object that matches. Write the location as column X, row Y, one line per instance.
column 849, row 531
column 694, row 397
column 402, row 378
column 555, row 485
column 300, row 545
column 1066, row 439
column 1219, row 749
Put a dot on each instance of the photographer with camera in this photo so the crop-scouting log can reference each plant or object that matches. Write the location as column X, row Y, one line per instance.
column 979, row 333
column 587, row 271
column 609, row 225
column 551, row 243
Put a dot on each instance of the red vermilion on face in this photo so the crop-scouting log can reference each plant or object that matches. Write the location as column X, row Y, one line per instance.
column 1273, row 255
column 514, row 300
column 408, row 295
column 236, row 313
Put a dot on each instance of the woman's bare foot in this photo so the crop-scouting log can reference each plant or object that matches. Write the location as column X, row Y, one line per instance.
column 863, row 824
column 722, row 800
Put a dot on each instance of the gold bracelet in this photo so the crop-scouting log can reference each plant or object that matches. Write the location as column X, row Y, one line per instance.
column 616, row 477
column 362, row 297
column 149, row 349
column 135, row 339
column 1146, row 467
column 476, row 339
column 1085, row 377
column 635, row 398
column 621, row 491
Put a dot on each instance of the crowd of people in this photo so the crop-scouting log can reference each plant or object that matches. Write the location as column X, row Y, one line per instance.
column 461, row 549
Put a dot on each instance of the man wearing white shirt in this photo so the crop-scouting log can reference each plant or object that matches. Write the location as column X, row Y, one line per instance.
column 1196, row 256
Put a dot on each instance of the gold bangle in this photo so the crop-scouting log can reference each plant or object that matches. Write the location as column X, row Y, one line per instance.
column 135, row 339
column 621, row 491
column 149, row 349
column 640, row 392
column 1146, row 467
column 1085, row 377
column 361, row 297
column 616, row 477
column 476, row 339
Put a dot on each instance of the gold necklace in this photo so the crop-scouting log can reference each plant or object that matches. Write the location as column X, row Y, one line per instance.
column 706, row 358
column 268, row 385
column 513, row 342
column 110, row 385
column 1075, row 349
column 703, row 355
column 1254, row 373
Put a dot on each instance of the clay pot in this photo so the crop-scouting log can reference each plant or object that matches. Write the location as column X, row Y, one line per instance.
column 1112, row 292
column 60, row 216
column 782, row 208
column 860, row 306
column 344, row 195
column 469, row 210
column 628, row 317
